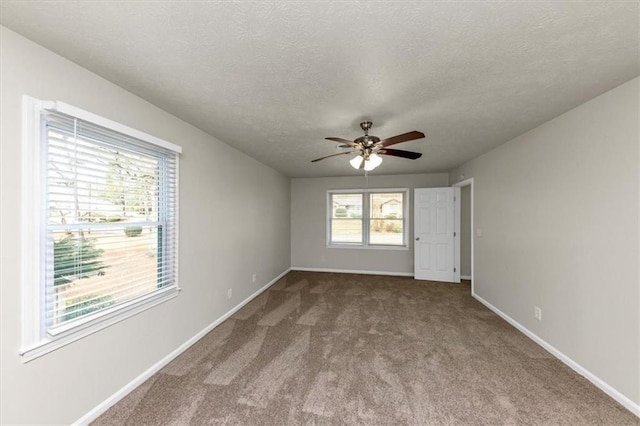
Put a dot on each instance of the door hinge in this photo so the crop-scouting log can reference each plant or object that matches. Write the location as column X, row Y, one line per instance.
column 454, row 269
column 454, row 234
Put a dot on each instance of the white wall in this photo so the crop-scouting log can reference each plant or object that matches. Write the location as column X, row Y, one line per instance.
column 309, row 224
column 234, row 221
column 559, row 210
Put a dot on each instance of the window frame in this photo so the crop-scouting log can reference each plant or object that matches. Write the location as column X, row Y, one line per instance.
column 36, row 338
column 366, row 219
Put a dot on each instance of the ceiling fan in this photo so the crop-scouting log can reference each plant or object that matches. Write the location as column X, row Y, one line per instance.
column 369, row 148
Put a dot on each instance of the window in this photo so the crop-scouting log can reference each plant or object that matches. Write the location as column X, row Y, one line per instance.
column 105, row 238
column 367, row 218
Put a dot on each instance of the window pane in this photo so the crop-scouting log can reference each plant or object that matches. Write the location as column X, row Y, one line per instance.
column 95, row 269
column 346, row 222
column 387, row 205
column 346, row 231
column 91, row 182
column 386, row 232
column 346, row 206
column 386, row 226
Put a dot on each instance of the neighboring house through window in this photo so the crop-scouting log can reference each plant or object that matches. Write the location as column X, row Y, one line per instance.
column 101, row 242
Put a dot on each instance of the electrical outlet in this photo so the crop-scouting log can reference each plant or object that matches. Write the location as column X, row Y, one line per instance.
column 322, row 258
column 537, row 313
column 229, row 293
column 253, row 278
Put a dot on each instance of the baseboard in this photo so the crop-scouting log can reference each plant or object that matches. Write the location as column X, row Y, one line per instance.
column 125, row 390
column 352, row 271
column 465, row 277
column 605, row 387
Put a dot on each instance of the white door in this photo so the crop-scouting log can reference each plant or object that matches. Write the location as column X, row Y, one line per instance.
column 436, row 233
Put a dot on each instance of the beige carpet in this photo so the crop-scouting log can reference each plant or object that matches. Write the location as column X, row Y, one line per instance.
column 320, row 348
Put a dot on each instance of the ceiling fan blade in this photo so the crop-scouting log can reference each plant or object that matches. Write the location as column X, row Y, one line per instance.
column 405, row 137
column 344, row 141
column 332, row 155
column 400, row 153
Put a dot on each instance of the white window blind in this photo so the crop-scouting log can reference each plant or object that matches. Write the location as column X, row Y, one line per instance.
column 110, row 223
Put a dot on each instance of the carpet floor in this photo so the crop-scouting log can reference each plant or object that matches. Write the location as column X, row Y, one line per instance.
column 325, row 349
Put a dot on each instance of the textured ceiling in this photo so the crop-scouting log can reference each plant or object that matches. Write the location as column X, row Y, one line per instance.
column 274, row 78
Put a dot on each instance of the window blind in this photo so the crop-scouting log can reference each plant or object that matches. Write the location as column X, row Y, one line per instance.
column 110, row 223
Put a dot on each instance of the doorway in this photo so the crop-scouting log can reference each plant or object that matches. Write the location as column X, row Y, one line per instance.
column 466, row 230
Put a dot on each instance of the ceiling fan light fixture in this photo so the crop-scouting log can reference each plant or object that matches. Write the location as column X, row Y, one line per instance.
column 374, row 161
column 356, row 162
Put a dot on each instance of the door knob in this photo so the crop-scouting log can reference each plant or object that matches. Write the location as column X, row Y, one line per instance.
column 417, row 238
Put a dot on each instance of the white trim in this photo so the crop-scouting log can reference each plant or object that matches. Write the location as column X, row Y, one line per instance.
column 31, row 214
column 470, row 181
column 465, row 277
column 457, row 201
column 365, row 190
column 352, row 271
column 604, row 386
column 126, row 389
column 176, row 227
column 365, row 247
column 110, row 124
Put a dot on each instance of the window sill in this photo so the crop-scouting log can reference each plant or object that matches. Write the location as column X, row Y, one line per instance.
column 369, row 247
column 49, row 344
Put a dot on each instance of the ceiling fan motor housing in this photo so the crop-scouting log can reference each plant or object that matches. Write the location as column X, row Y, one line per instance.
column 367, row 140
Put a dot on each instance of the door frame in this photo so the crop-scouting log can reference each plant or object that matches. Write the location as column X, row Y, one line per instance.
column 468, row 182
